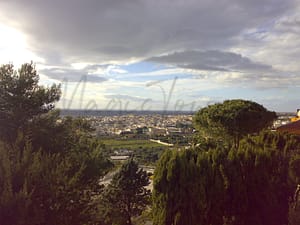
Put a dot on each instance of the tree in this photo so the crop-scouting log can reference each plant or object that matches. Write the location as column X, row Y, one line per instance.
column 22, row 99
column 232, row 120
column 49, row 166
column 188, row 189
column 41, row 187
column 126, row 196
column 222, row 185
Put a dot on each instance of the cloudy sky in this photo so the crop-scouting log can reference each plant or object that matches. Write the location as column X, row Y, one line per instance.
column 163, row 54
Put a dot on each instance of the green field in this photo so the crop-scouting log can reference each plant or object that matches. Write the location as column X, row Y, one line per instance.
column 130, row 144
column 145, row 151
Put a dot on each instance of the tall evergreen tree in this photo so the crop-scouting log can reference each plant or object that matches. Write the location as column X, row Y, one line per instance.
column 22, row 98
column 126, row 196
column 244, row 186
column 49, row 167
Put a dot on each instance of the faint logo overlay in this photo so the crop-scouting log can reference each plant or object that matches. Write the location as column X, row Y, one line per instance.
column 122, row 105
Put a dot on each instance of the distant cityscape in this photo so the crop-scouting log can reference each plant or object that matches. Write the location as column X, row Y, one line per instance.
column 160, row 125
column 137, row 122
column 283, row 119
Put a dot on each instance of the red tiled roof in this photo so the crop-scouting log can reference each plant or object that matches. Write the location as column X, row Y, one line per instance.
column 293, row 128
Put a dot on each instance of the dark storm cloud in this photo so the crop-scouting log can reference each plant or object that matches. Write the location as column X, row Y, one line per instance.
column 72, row 75
column 211, row 60
column 106, row 30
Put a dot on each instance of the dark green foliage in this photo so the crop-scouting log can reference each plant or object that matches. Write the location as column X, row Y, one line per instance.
column 294, row 212
column 148, row 155
column 41, row 188
column 22, row 99
column 232, row 120
column 294, row 216
column 126, row 196
column 49, row 166
column 188, row 189
column 295, row 168
column 52, row 136
column 244, row 186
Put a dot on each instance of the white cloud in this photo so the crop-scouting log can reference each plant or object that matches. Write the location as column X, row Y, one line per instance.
column 209, row 45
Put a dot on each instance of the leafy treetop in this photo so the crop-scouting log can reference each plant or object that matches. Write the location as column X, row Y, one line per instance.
column 232, row 119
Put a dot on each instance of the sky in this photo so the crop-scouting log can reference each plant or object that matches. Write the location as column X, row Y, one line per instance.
column 158, row 55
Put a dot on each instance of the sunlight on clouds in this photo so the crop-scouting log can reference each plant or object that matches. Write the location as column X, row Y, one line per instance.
column 13, row 47
column 228, row 76
column 79, row 66
column 114, row 69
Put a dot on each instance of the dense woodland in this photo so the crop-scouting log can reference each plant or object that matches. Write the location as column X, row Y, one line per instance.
column 236, row 173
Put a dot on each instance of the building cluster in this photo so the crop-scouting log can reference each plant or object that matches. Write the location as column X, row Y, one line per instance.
column 283, row 119
column 153, row 124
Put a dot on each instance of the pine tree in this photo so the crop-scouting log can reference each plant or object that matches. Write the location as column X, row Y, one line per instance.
column 231, row 120
column 126, row 196
column 244, row 186
column 22, row 99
